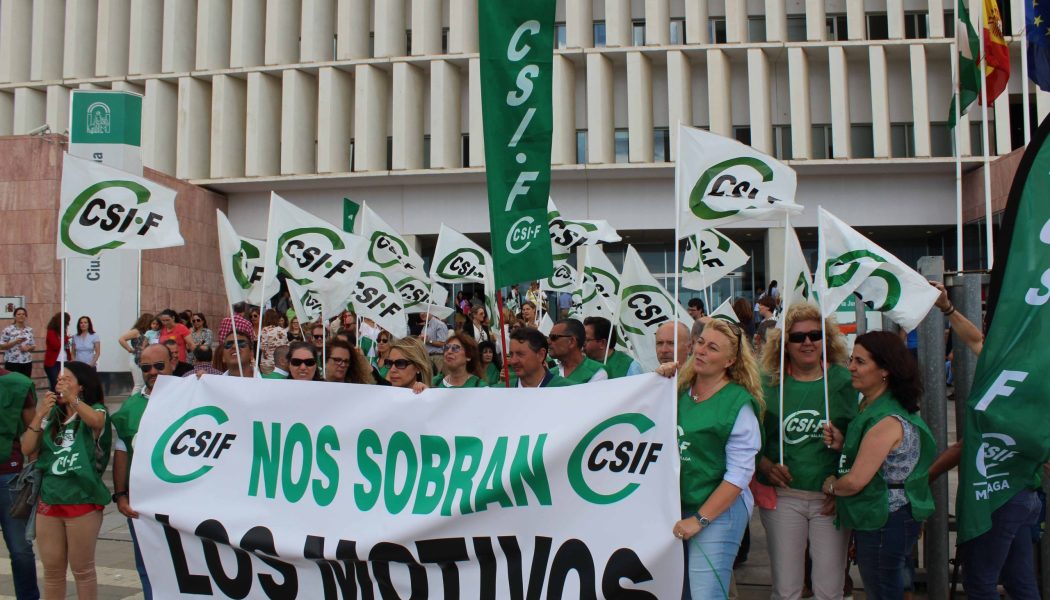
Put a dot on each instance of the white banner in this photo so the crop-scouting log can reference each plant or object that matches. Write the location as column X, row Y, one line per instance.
column 720, row 258
column 242, row 493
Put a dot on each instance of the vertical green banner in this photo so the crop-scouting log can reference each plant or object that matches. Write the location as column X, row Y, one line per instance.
column 517, row 51
column 350, row 210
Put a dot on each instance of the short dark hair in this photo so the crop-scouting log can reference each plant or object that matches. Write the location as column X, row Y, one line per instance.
column 697, row 304
column 168, row 312
column 603, row 329
column 891, row 354
column 240, row 307
column 768, row 302
column 531, row 336
column 202, row 354
column 576, row 330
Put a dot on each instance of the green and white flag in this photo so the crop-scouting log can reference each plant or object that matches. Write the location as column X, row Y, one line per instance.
column 305, row 302
column 644, row 306
column 420, row 295
column 350, row 212
column 546, row 324
column 599, row 284
column 848, row 263
column 102, row 208
column 567, row 235
column 371, row 295
column 386, row 248
column 720, row 258
column 722, row 181
column 562, row 280
column 242, row 264
column 516, row 42
column 969, row 76
column 459, row 260
column 798, row 287
column 1005, row 437
column 725, row 312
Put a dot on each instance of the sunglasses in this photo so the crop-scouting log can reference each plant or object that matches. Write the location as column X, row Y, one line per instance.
column 401, row 364
column 196, row 320
column 147, row 367
column 340, row 361
column 240, row 344
column 453, row 348
column 383, row 341
column 318, row 337
column 559, row 336
column 298, row 362
column 800, row 336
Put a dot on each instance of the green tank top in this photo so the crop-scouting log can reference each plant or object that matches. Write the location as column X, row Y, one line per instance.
column 492, row 375
column 72, row 462
column 703, row 430
column 583, row 372
column 805, row 455
column 14, row 387
column 869, row 509
column 617, row 364
column 126, row 421
column 472, row 382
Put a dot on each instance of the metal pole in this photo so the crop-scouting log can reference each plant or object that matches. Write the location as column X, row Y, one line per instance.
column 934, row 408
column 966, row 296
column 860, row 314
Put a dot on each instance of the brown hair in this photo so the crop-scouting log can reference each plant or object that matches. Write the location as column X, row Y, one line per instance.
column 890, row 353
column 359, row 371
column 470, row 349
column 271, row 318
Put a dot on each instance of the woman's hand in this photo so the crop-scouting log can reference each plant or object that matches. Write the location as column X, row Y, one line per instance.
column 832, row 436
column 686, row 528
column 828, row 508
column 44, row 409
column 418, row 387
column 779, row 475
column 667, row 369
column 828, row 487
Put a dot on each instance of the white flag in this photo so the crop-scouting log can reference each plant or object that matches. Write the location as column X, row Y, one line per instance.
column 102, row 208
column 799, row 284
column 562, row 280
column 599, row 284
column 386, row 248
column 725, row 312
column 850, row 263
column 420, row 295
column 305, row 302
column 242, row 264
column 459, row 260
column 545, row 325
column 720, row 255
column 721, row 181
column 644, row 306
column 566, row 234
column 372, row 295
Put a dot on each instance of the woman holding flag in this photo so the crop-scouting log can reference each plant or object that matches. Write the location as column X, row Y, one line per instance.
column 797, row 466
column 882, row 490
column 719, row 411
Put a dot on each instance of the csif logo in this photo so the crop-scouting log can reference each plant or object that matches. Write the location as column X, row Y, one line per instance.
column 741, row 178
column 605, row 283
column 842, row 269
column 803, row 425
column 193, row 439
column 247, row 270
column 387, row 250
column 375, row 292
column 569, row 234
column 310, row 252
column 465, row 263
column 644, row 307
column 522, row 233
column 104, row 213
column 562, row 278
column 613, row 457
column 414, row 291
column 996, row 449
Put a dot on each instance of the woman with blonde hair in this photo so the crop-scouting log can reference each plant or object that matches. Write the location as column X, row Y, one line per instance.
column 800, row 511
column 409, row 364
column 719, row 411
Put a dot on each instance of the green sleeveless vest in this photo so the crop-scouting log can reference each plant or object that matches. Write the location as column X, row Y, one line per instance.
column 126, row 421
column 72, row 466
column 617, row 364
column 492, row 375
column 869, row 509
column 584, row 371
column 472, row 382
column 14, row 387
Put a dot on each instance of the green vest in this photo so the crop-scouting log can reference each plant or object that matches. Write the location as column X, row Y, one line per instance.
column 270, row 375
column 583, row 372
column 492, row 375
column 472, row 382
column 869, row 508
column 72, row 469
column 617, row 364
column 14, row 387
column 126, row 422
column 703, row 430
column 805, row 454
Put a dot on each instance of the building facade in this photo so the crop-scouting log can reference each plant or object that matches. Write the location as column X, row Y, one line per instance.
column 379, row 101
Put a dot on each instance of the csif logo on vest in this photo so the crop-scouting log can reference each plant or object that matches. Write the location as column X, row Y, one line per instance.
column 310, row 254
column 247, row 268
column 731, row 186
column 842, row 269
column 644, row 307
column 106, row 215
column 465, row 264
column 387, row 250
column 185, row 449
column 610, row 461
column 375, row 292
column 803, row 425
column 569, row 234
column 992, row 463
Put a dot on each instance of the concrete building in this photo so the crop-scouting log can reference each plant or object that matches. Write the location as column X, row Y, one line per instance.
column 378, row 101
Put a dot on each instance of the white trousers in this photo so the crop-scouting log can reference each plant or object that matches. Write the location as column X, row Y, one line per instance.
column 789, row 526
column 136, row 376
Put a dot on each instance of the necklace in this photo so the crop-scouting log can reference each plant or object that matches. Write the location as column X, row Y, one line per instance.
column 701, row 395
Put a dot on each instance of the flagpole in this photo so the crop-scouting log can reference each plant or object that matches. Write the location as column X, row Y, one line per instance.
column 430, row 301
column 957, row 152
column 237, row 348
column 267, row 278
column 677, row 257
column 1025, row 86
column 503, row 337
column 984, row 146
column 783, row 330
column 608, row 342
column 820, row 284
column 63, row 346
column 703, row 277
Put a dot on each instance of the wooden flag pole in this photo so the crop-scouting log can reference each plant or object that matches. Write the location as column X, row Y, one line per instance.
column 503, row 336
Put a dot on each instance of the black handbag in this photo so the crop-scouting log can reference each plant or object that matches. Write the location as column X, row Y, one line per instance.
column 25, row 490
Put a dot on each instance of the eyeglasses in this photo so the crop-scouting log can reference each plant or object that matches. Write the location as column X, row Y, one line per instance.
column 298, row 362
column 401, row 364
column 798, row 337
column 147, row 367
column 240, row 344
column 453, row 348
column 558, row 336
column 196, row 320
column 340, row 361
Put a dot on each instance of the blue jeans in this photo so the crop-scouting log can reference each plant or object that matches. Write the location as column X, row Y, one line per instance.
column 23, row 562
column 709, row 555
column 140, row 566
column 883, row 555
column 1004, row 552
column 52, row 375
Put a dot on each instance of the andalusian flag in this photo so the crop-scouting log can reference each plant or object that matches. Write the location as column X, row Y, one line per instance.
column 969, row 83
column 996, row 52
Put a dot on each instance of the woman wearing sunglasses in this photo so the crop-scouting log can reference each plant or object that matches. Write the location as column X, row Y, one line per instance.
column 409, row 364
column 381, row 363
column 236, row 355
column 799, row 511
column 462, row 364
column 303, row 362
column 719, row 411
column 346, row 364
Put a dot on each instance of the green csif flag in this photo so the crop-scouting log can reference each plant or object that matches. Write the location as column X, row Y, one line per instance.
column 1004, row 444
column 350, row 210
column 517, row 51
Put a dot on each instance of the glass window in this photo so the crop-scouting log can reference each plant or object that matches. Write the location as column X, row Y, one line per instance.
column 782, row 141
column 949, row 23
column 661, row 144
column 717, row 31
column 465, row 153
column 581, row 146
column 677, row 32
column 822, row 141
column 756, row 28
column 941, row 139
column 426, row 151
column 559, row 35
column 977, row 140
column 796, row 28
column 389, row 153
column 622, row 144
column 916, row 25
column 837, row 30
column 599, row 34
column 444, row 40
column 351, row 154
column 742, row 135
column 862, row 140
column 638, row 33
column 878, row 26
column 902, row 140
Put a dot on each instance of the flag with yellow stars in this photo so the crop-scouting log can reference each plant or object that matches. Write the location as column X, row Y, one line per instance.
column 1037, row 17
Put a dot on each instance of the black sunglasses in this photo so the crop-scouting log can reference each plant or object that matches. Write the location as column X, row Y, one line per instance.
column 240, row 344
column 559, row 336
column 147, row 367
column 401, row 364
column 319, row 337
column 800, row 336
column 298, row 362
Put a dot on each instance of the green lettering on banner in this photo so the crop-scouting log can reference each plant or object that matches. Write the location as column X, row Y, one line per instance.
column 368, row 444
column 430, row 447
column 327, row 465
column 266, row 459
column 517, row 48
column 461, row 479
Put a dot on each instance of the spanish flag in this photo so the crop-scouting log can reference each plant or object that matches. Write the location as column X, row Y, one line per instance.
column 996, row 53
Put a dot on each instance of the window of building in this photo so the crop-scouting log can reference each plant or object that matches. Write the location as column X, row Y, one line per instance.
column 878, row 26
column 622, row 145
column 426, row 151
column 837, row 29
column 742, row 135
column 638, row 33
column 677, row 32
column 717, row 31
column 371, row 44
column 599, row 34
column 822, row 141
column 941, row 141
column 408, row 41
column 559, row 35
column 977, row 139
column 902, row 140
column 465, row 152
column 581, row 146
column 351, row 154
column 917, row 25
column 756, row 28
column 661, row 144
column 444, row 40
column 949, row 22
column 389, row 153
column 782, row 142
column 862, row 140
column 796, row 25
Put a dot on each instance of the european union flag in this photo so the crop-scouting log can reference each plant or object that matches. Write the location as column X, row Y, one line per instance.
column 1037, row 17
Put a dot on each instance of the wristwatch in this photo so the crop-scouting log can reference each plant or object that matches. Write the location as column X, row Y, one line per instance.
column 704, row 521
column 117, row 496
